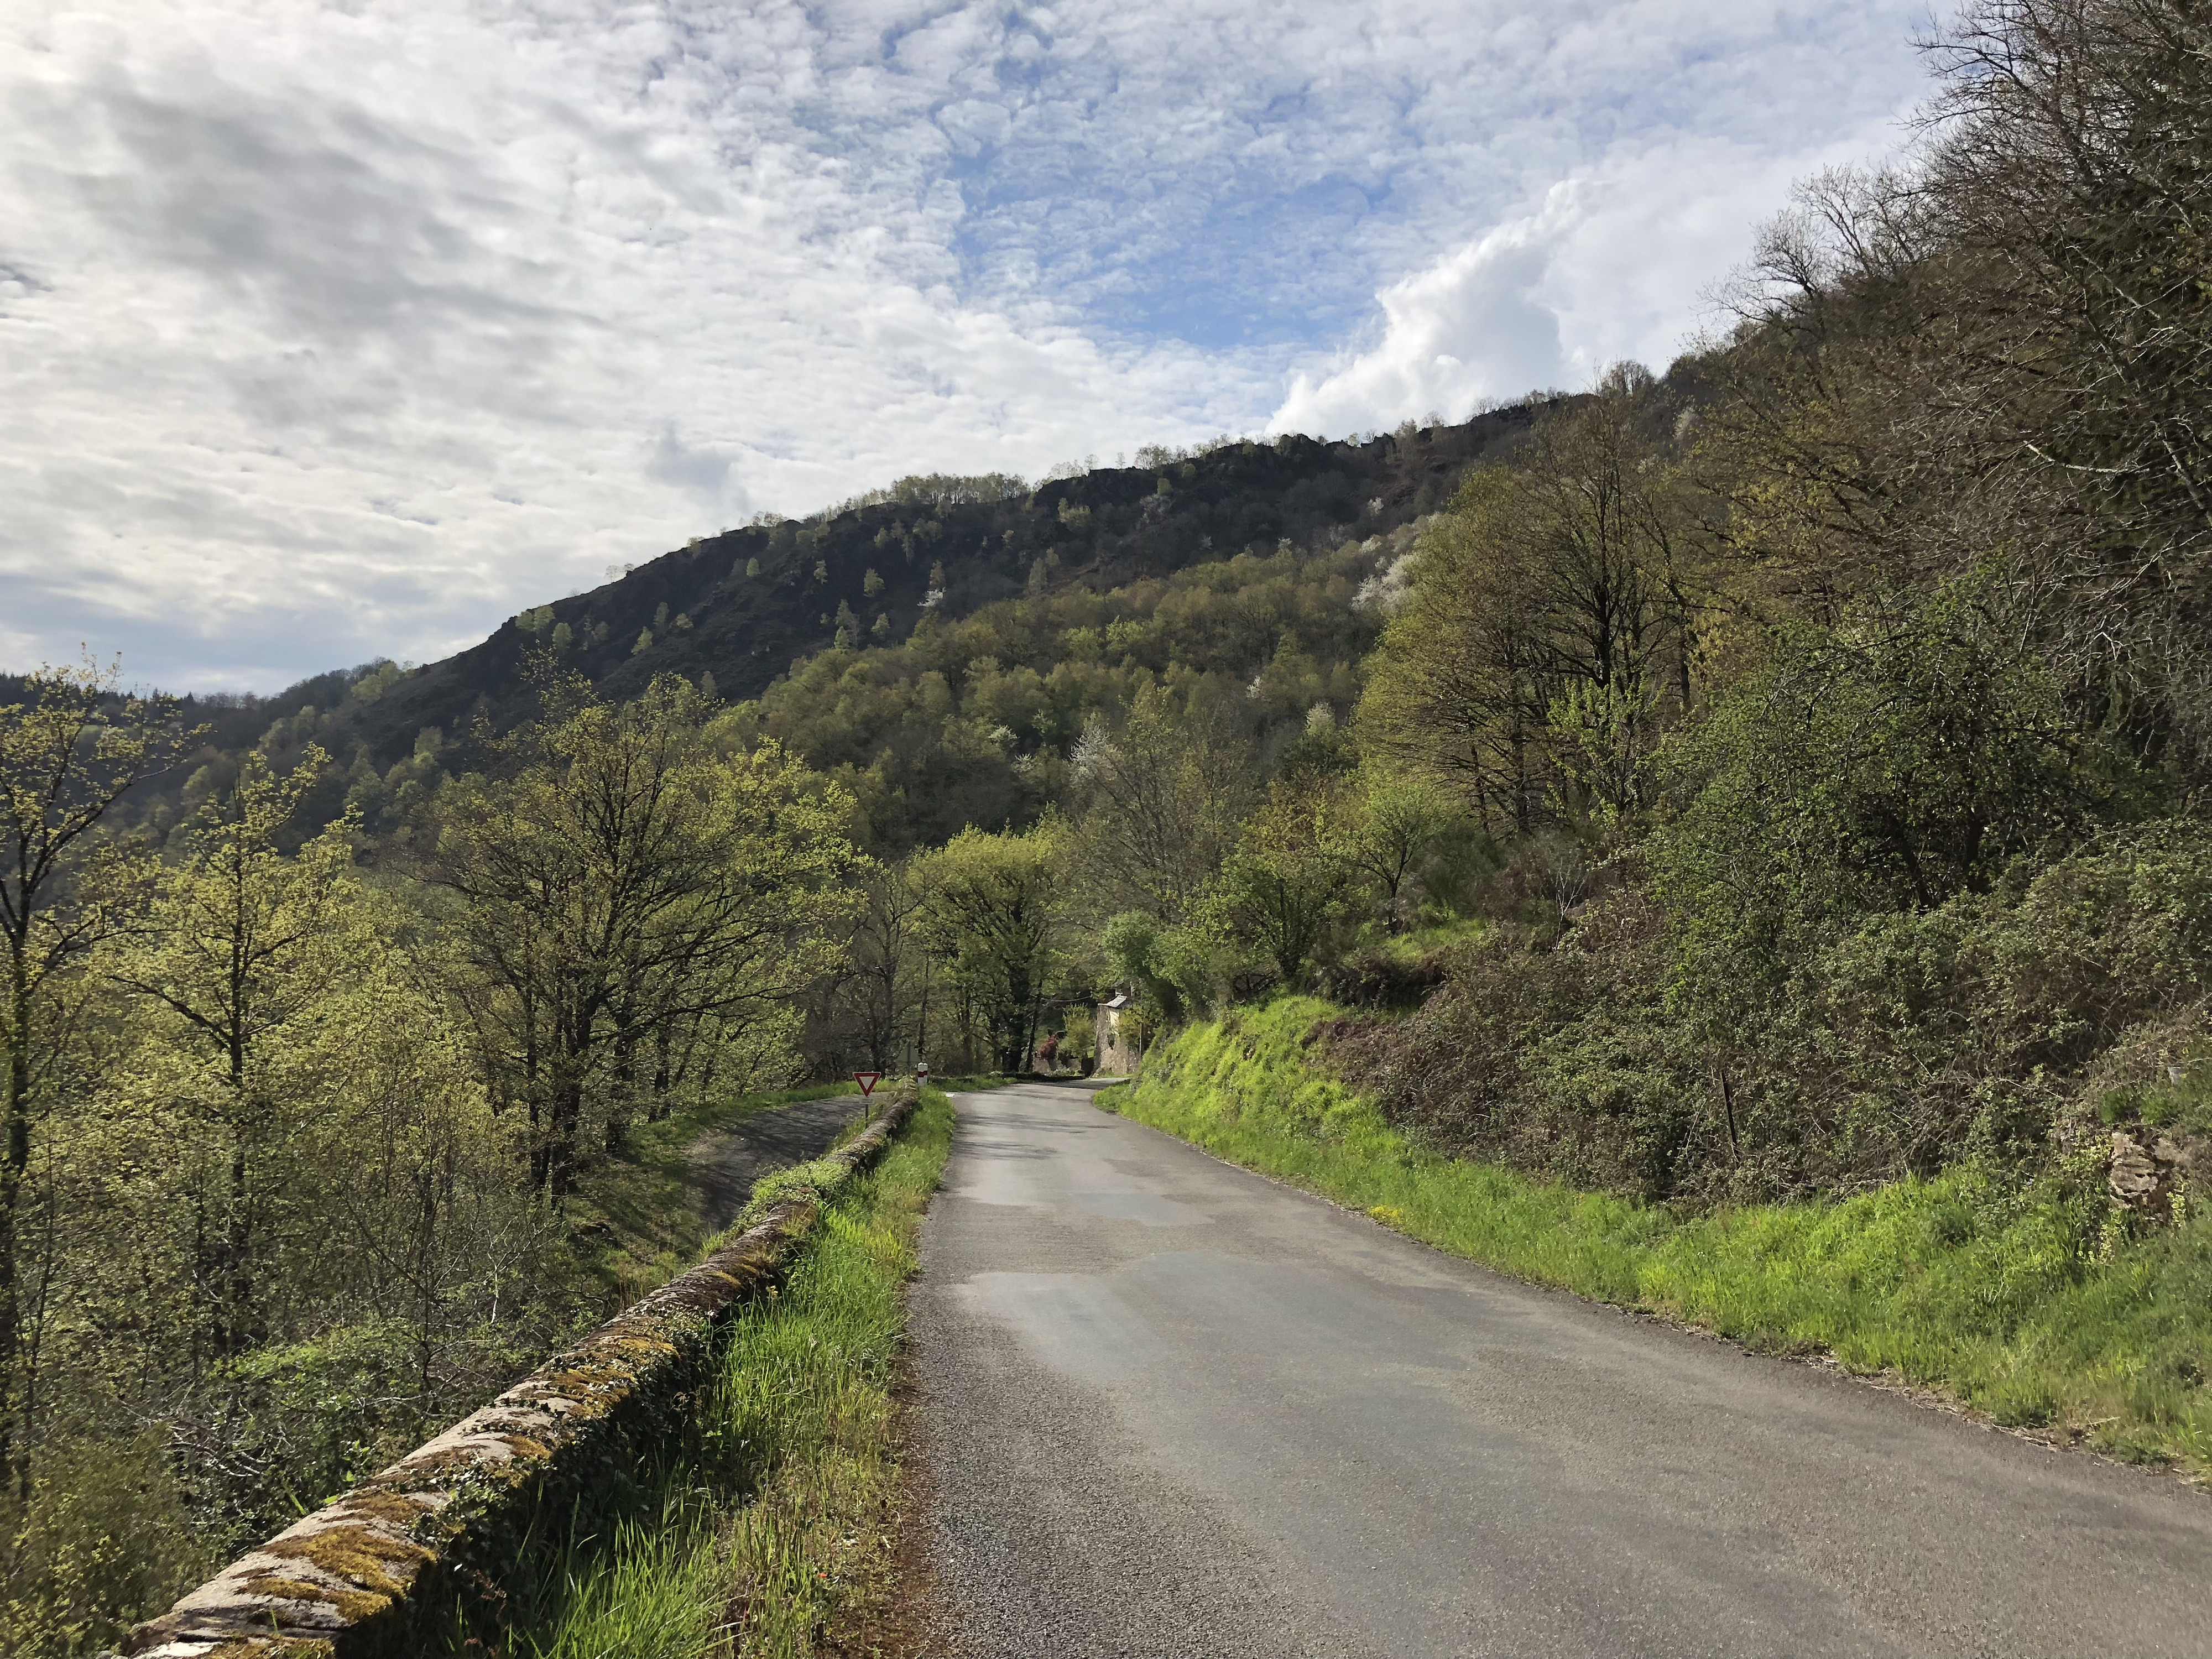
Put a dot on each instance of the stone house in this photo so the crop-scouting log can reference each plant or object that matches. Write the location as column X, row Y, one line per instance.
column 1117, row 1032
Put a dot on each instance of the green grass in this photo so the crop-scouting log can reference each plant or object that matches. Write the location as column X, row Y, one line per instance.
column 633, row 1213
column 2029, row 1304
column 1415, row 943
column 771, row 1519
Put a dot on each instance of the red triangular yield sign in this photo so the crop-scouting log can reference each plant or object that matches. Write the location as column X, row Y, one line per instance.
column 867, row 1080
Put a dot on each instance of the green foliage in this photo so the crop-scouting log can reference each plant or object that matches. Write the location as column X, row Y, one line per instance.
column 979, row 720
column 1160, row 801
column 380, row 677
column 104, row 1539
column 1402, row 834
column 67, row 755
column 814, row 1179
column 1997, row 1027
column 638, row 905
column 992, row 910
column 1284, row 882
column 1905, row 755
column 1131, row 943
column 1551, row 631
column 289, row 1184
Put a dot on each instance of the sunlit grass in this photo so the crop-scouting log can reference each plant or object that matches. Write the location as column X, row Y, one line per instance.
column 766, row 1521
column 2023, row 1303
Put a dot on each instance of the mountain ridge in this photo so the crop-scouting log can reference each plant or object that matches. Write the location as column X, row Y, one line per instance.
column 704, row 614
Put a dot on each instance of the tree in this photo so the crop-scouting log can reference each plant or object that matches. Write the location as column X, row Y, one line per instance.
column 884, row 958
column 1910, row 753
column 1400, row 820
column 1283, row 885
column 626, row 887
column 992, row 907
column 1162, row 800
column 1987, row 354
column 68, row 754
column 2067, row 194
column 237, row 951
column 1566, row 584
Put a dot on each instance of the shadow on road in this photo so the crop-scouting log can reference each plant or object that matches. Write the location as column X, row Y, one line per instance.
column 724, row 1166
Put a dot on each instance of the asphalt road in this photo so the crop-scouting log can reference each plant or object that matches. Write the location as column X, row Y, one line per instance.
column 1173, row 1408
column 724, row 1166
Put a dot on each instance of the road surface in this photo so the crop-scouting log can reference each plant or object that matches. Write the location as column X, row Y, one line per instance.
column 725, row 1165
column 1173, row 1408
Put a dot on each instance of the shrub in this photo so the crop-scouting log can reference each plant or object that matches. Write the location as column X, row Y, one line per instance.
column 104, row 1541
column 1998, row 1027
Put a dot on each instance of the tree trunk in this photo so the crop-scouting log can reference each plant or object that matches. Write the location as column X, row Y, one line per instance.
column 13, row 1170
column 238, row 1242
column 619, row 1109
column 236, row 1291
column 568, row 1114
column 658, row 1108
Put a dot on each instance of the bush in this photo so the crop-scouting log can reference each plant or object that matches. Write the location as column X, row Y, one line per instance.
column 1556, row 1057
column 1381, row 978
column 1999, row 1027
column 104, row 1541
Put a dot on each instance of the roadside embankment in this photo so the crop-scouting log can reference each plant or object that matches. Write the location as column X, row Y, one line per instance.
column 642, row 1217
column 722, row 1166
column 2016, row 1301
column 435, row 1546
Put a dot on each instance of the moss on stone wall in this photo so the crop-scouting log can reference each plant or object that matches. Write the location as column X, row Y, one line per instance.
column 430, row 1539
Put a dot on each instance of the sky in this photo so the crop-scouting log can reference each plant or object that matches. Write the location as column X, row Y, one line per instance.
column 345, row 330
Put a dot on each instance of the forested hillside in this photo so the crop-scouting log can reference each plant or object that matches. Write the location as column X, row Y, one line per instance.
column 1771, row 781
column 738, row 612
column 741, row 606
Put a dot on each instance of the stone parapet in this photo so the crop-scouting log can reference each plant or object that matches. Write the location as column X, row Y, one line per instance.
column 379, row 1572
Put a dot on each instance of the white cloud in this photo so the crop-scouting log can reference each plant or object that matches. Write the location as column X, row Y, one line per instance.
column 339, row 330
column 1475, row 324
column 1611, row 264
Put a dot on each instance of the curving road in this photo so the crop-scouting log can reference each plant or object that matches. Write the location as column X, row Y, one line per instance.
column 1176, row 1409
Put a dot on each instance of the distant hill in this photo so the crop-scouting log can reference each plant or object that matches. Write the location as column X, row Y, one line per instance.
column 1105, row 528
column 751, row 605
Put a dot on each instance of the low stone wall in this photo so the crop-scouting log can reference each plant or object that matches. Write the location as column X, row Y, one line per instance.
column 378, row 1572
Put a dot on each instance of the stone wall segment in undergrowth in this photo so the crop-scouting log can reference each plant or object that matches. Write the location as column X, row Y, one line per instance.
column 376, row 1573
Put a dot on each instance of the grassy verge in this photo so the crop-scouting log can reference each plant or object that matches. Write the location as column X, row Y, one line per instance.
column 2028, row 1305
column 633, row 1213
column 771, row 1519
